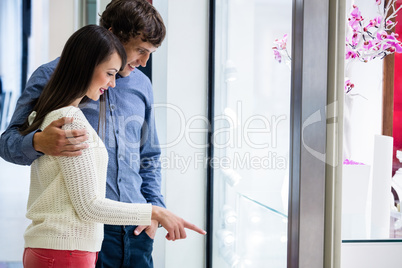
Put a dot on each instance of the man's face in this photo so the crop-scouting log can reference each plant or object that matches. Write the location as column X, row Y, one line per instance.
column 138, row 53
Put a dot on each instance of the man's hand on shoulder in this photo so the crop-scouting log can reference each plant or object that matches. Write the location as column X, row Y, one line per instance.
column 53, row 139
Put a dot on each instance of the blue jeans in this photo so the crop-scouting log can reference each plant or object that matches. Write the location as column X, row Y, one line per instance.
column 121, row 248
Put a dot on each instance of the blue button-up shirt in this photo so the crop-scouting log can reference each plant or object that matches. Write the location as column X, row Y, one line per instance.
column 134, row 153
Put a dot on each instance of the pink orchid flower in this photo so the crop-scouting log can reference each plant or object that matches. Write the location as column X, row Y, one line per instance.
column 373, row 23
column 355, row 18
column 281, row 42
column 367, row 45
column 277, row 55
column 392, row 45
column 354, row 40
column 378, row 2
column 382, row 35
column 351, row 162
column 396, row 44
column 348, row 86
column 350, row 54
column 376, row 44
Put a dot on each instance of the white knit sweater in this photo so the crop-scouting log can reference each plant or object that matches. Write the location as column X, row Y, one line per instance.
column 67, row 203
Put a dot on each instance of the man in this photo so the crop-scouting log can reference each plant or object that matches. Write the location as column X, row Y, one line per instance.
column 131, row 140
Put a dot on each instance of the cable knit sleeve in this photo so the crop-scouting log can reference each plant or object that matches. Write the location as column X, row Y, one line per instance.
column 87, row 190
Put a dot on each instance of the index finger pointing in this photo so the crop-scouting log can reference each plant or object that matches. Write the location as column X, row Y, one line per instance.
column 194, row 228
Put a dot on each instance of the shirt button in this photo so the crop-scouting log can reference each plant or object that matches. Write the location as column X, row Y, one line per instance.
column 121, row 157
column 119, row 180
column 112, row 107
column 117, row 131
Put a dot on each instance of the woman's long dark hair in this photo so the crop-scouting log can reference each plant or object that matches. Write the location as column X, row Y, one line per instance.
column 85, row 49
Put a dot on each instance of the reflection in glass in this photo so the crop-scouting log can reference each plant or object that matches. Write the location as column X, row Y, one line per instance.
column 251, row 135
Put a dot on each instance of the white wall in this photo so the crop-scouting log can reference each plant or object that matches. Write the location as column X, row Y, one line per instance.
column 62, row 24
column 159, row 77
column 102, row 5
column 39, row 39
column 180, row 81
column 371, row 255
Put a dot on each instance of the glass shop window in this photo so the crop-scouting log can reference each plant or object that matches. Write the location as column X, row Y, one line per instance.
column 372, row 138
column 251, row 136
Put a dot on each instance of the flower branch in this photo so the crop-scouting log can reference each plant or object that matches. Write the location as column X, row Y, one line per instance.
column 373, row 39
column 389, row 24
column 280, row 50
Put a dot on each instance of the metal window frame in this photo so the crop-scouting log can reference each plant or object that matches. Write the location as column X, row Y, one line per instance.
column 210, row 150
column 306, row 226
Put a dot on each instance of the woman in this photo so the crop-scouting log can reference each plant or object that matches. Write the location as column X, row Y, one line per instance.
column 66, row 201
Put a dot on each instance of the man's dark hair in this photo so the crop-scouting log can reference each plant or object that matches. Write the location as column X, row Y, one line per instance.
column 130, row 18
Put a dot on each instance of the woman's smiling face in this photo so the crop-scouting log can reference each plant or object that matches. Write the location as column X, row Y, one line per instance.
column 104, row 77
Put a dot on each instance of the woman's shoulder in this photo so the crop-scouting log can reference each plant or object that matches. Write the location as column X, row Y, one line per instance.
column 68, row 111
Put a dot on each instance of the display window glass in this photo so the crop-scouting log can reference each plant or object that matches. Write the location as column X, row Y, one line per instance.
column 251, row 132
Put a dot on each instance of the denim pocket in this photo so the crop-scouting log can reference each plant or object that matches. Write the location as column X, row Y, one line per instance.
column 143, row 236
column 147, row 235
